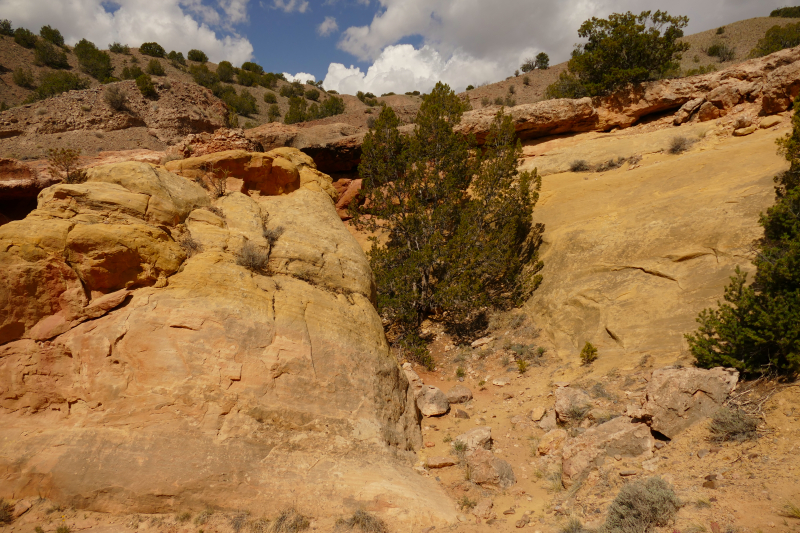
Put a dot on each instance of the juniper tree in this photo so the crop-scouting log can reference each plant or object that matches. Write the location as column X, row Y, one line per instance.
column 757, row 329
column 455, row 221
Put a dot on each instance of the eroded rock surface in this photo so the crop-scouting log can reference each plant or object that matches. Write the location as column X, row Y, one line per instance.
column 137, row 351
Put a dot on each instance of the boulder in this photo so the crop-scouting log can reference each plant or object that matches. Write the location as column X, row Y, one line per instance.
column 552, row 442
column 725, row 96
column 480, row 437
column 548, row 421
column 708, row 111
column 769, row 122
column 617, row 437
column 188, row 378
column 742, row 132
column 414, row 381
column 432, row 401
column 483, row 509
column 685, row 112
column 489, row 471
column 459, row 394
column 537, row 413
column 676, row 398
column 570, row 402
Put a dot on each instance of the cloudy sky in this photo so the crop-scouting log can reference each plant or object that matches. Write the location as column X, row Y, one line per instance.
column 369, row 45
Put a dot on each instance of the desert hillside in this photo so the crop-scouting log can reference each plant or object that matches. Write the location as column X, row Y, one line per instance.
column 192, row 337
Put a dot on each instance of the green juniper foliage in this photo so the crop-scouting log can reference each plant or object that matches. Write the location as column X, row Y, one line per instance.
column 53, row 83
column 225, row 71
column 447, row 250
column 621, row 50
column 152, row 49
column 46, row 54
column 786, row 12
column 51, row 34
column 757, row 329
column 94, row 62
column 24, row 37
column 197, row 55
column 777, row 38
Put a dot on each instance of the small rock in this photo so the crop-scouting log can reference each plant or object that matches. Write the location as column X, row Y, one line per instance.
column 769, row 122
column 21, row 507
column 537, row 413
column 711, row 484
column 430, row 444
column 487, row 470
column 716, row 449
column 659, row 445
column 552, row 441
column 459, row 394
column 460, row 413
column 482, row 342
column 510, row 511
column 500, row 382
column 626, row 473
column 441, row 462
column 741, row 132
column 548, row 422
column 508, row 395
column 432, row 401
column 702, row 453
column 524, row 521
column 480, row 437
column 484, row 509
column 462, row 517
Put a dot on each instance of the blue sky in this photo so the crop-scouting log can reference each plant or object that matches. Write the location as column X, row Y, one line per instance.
column 370, row 45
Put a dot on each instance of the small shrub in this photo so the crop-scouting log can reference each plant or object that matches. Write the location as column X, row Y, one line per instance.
column 722, row 52
column 364, row 521
column 542, row 61
column 611, row 164
column 555, row 481
column 791, row 510
column 5, row 28
column 579, row 165
column 131, row 73
column 290, row 521
column 641, row 506
column 197, row 55
column 526, row 80
column 176, row 58
column 458, row 448
column 247, row 78
column 46, row 54
column 118, row 48
column 465, row 504
column 38, row 529
column 63, row 528
column 270, row 98
column 152, row 49
column 512, row 90
column 190, row 246
column 588, row 354
column 146, row 87
column 203, row 76
column 573, row 526
column 460, row 372
column 116, row 98
column 312, row 94
column 24, row 78
column 52, row 35
column 679, row 144
column 733, row 425
column 253, row 258
column 498, row 100
column 155, row 68
column 25, row 38
column 65, row 160
column 183, row 517
column 485, row 101
column 469, row 87
column 701, row 70
column 720, row 30
column 522, row 366
column 203, row 517
column 273, row 113
column 6, row 512
column 253, row 67
column 269, row 80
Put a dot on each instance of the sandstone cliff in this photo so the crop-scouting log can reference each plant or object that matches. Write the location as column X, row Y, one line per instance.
column 143, row 369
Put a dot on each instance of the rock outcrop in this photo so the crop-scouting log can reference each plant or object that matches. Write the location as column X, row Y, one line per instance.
column 177, row 354
column 676, row 398
column 179, row 109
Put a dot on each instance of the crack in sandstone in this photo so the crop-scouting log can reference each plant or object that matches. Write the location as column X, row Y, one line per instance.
column 655, row 273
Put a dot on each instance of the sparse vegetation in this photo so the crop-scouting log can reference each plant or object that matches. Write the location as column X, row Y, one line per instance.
column 273, row 113
column 621, row 50
column 53, row 83
column 300, row 111
column 786, row 12
column 64, row 162
column 444, row 243
column 118, row 48
column 63, row 528
column 290, row 521
column 460, row 372
column 721, row 30
column 580, row 165
column 48, row 55
column 465, row 504
column 183, row 517
column 573, row 525
column 458, row 448
column 5, row 28
column 247, row 78
column 6, row 512
column 253, row 67
column 94, row 62
column 588, row 354
column 155, row 68
column 679, row 144
column 777, row 38
column 24, row 78
column 270, row 98
column 190, row 245
column 25, row 38
column 131, row 73
column 790, row 509
column 721, row 51
column 253, row 257
column 197, row 55
column 732, row 425
column 146, row 87
column 312, row 94
column 116, row 98
column 700, row 70
column 367, row 98
column 526, row 81
column 225, row 71
column 152, row 49
column 363, row 521
column 640, row 506
column 177, row 59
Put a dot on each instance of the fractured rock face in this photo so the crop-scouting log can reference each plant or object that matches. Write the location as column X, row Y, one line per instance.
column 619, row 436
column 676, row 398
column 202, row 382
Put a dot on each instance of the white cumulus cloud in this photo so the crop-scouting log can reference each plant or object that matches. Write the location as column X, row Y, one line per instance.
column 470, row 41
column 175, row 24
column 300, row 76
column 327, row 26
column 287, row 6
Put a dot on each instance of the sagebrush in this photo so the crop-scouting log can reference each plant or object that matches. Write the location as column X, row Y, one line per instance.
column 641, row 506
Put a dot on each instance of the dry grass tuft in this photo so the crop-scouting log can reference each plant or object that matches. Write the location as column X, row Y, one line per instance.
column 290, row 521
column 733, row 425
column 364, row 521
